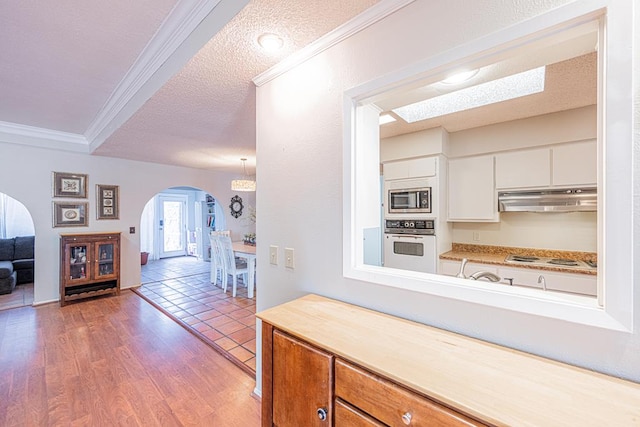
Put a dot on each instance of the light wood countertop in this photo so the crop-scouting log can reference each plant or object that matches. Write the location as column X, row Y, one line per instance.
column 498, row 385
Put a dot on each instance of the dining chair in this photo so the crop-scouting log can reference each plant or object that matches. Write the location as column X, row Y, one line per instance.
column 217, row 262
column 232, row 266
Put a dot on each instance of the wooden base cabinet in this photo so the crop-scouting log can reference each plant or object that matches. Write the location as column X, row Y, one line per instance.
column 329, row 363
column 302, row 383
column 299, row 389
column 89, row 265
column 377, row 399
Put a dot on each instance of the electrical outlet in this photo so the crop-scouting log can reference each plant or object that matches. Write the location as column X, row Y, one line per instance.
column 273, row 255
column 476, row 236
column 288, row 258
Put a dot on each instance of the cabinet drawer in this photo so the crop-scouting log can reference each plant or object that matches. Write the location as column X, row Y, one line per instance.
column 389, row 403
column 347, row 415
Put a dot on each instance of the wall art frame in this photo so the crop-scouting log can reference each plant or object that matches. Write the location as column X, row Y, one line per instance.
column 70, row 214
column 108, row 204
column 66, row 184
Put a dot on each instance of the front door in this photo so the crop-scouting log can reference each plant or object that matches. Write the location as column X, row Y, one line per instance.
column 172, row 225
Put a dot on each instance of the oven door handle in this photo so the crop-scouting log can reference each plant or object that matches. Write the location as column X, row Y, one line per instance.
column 409, row 236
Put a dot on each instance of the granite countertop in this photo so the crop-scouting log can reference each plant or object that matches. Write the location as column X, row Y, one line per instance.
column 486, row 254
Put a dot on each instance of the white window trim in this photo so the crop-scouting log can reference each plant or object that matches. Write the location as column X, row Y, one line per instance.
column 614, row 310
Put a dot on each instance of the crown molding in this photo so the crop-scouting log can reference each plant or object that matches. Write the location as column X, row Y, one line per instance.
column 179, row 37
column 365, row 19
column 44, row 138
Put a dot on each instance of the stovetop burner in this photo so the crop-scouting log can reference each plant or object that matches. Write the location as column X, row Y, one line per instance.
column 542, row 261
column 565, row 262
column 523, row 258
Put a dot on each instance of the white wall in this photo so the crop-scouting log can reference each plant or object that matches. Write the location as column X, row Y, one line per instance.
column 299, row 126
column 568, row 231
column 26, row 175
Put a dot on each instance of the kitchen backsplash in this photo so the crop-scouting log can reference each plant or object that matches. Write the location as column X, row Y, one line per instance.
column 575, row 231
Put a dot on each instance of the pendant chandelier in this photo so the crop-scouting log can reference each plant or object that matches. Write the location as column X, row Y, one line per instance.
column 244, row 184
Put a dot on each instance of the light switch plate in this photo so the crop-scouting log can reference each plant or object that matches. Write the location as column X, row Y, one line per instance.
column 288, row 258
column 273, row 255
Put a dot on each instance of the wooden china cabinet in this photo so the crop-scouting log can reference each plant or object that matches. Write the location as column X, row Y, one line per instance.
column 89, row 265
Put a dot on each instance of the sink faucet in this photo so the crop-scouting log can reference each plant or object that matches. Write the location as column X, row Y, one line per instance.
column 485, row 275
column 462, row 265
column 542, row 281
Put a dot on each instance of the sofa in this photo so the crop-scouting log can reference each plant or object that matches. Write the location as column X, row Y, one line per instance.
column 16, row 262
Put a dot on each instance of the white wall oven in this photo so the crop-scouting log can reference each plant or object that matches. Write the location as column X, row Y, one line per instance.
column 410, row 245
column 406, row 198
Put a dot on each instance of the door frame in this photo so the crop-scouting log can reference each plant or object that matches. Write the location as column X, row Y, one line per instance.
column 183, row 199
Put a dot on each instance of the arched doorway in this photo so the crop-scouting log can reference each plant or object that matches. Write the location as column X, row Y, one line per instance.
column 17, row 240
column 177, row 276
column 176, row 223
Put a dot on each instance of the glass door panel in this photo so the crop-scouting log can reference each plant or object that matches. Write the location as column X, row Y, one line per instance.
column 172, row 226
column 105, row 259
column 78, row 262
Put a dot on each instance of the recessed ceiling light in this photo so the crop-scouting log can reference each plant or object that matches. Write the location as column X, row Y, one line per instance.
column 510, row 87
column 460, row 77
column 270, row 42
column 386, row 118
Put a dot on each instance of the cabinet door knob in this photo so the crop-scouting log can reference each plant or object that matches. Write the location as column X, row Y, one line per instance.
column 406, row 418
column 322, row 413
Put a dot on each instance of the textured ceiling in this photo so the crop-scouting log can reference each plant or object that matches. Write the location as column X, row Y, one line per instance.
column 571, row 81
column 69, row 73
column 204, row 116
column 568, row 84
column 62, row 60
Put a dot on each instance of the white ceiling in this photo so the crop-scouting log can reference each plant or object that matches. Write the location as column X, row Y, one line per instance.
column 165, row 81
column 172, row 81
column 571, row 82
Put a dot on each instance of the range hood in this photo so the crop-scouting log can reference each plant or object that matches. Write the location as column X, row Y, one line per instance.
column 565, row 200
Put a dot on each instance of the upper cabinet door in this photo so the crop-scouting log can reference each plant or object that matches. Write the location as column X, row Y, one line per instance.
column 472, row 195
column 523, row 169
column 575, row 164
column 302, row 384
column 412, row 168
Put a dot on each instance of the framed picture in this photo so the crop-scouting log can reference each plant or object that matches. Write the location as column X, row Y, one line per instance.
column 108, row 205
column 69, row 185
column 70, row 214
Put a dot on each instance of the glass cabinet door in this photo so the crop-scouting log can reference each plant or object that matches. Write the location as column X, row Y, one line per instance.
column 105, row 260
column 78, row 267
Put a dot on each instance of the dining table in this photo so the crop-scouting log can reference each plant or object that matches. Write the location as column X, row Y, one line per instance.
column 247, row 252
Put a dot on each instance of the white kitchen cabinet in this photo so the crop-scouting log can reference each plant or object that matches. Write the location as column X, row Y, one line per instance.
column 576, row 283
column 575, row 164
column 471, row 191
column 523, row 168
column 412, row 168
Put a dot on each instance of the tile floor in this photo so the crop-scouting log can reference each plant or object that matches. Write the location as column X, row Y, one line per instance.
column 22, row 295
column 181, row 288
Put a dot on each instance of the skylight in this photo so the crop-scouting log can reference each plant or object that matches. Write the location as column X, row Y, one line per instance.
column 506, row 88
column 386, row 118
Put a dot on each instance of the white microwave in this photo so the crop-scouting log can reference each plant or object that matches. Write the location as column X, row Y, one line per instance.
column 409, row 200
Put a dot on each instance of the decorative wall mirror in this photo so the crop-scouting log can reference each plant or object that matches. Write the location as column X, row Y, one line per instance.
column 236, row 206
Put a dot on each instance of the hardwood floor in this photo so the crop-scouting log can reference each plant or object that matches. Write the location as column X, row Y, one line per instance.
column 22, row 295
column 115, row 361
